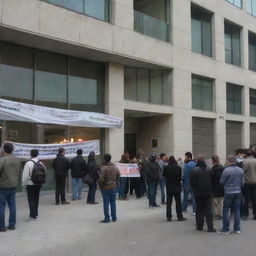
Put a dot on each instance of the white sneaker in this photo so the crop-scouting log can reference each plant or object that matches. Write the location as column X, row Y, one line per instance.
column 223, row 232
column 237, row 232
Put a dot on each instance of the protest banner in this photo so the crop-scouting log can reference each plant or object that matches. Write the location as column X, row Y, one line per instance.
column 49, row 151
column 128, row 170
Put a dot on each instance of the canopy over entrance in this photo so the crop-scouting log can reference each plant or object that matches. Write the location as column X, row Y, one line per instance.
column 17, row 111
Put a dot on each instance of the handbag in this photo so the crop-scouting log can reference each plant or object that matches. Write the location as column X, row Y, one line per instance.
column 87, row 179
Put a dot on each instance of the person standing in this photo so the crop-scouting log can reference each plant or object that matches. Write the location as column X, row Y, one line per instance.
column 123, row 182
column 33, row 190
column 232, row 179
column 189, row 165
column 249, row 190
column 109, row 176
column 61, row 166
column 201, row 181
column 93, row 170
column 153, row 171
column 10, row 172
column 77, row 166
column 218, row 190
column 172, row 173
column 162, row 182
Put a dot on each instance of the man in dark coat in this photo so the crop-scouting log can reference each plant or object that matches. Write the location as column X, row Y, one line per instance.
column 218, row 189
column 201, row 181
column 61, row 166
column 172, row 173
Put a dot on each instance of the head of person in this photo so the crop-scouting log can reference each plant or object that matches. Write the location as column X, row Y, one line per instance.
column 124, row 158
column 163, row 156
column 8, row 148
column 247, row 152
column 153, row 158
column 34, row 153
column 201, row 161
column 188, row 156
column 215, row 159
column 240, row 152
column 107, row 158
column 79, row 152
column 172, row 160
column 61, row 151
column 91, row 157
column 231, row 160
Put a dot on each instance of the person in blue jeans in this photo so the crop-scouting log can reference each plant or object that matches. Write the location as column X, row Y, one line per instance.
column 123, row 181
column 232, row 179
column 93, row 170
column 189, row 165
column 162, row 182
column 109, row 176
column 10, row 172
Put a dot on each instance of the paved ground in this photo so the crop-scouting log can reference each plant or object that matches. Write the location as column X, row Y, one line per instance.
column 74, row 230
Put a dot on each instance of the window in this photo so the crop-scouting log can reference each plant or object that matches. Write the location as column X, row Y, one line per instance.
column 99, row 9
column 201, row 29
column 202, row 93
column 252, row 102
column 232, row 44
column 144, row 85
column 251, row 7
column 237, row 3
column 252, row 51
column 234, row 99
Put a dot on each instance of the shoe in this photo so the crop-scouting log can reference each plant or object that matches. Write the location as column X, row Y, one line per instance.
column 211, row 230
column 114, row 220
column 222, row 232
column 57, row 203
column 11, row 227
column 199, row 229
column 182, row 219
column 105, row 221
column 236, row 232
column 31, row 219
column 156, row 205
column 169, row 219
column 2, row 229
column 95, row 203
column 65, row 202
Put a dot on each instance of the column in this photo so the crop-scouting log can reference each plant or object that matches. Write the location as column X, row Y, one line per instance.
column 182, row 120
column 114, row 106
column 246, row 112
column 218, row 38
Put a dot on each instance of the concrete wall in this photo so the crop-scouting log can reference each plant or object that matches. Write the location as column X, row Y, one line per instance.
column 203, row 136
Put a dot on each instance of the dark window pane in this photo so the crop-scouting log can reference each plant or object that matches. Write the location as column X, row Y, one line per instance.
column 196, row 36
column 234, row 99
column 167, row 87
column 143, row 85
column 156, row 86
column 76, row 5
column 130, row 83
column 16, row 73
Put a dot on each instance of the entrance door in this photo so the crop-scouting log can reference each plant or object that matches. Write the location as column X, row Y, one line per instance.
column 130, row 143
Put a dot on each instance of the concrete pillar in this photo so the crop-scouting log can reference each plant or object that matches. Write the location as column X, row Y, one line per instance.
column 246, row 124
column 114, row 106
column 123, row 13
column 182, row 120
column 244, row 48
column 218, row 38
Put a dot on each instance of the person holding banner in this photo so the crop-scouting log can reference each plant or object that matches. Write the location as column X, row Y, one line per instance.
column 61, row 166
column 109, row 176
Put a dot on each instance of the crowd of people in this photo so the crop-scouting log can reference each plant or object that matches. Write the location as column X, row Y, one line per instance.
column 216, row 191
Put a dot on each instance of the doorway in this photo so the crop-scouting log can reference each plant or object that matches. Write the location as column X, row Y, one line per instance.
column 130, row 143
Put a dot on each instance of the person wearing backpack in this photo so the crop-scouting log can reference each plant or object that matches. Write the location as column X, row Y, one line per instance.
column 33, row 178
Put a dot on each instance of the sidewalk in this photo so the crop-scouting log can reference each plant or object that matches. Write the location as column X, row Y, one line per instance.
column 74, row 230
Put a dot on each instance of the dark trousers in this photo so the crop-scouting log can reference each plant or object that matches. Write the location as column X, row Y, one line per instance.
column 33, row 192
column 60, row 189
column 249, row 193
column 204, row 209
column 92, row 192
column 177, row 197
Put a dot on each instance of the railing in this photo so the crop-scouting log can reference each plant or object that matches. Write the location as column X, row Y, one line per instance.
column 151, row 26
column 99, row 9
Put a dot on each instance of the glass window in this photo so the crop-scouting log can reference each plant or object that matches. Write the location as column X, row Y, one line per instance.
column 202, row 93
column 201, row 32
column 167, row 87
column 251, row 7
column 143, row 85
column 252, row 102
column 237, row 3
column 156, row 89
column 76, row 5
column 234, row 99
column 130, row 83
column 16, row 73
column 51, row 79
column 232, row 44
column 252, row 51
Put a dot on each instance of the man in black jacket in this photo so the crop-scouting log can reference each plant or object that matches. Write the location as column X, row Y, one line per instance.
column 172, row 173
column 201, row 181
column 61, row 166
column 78, row 167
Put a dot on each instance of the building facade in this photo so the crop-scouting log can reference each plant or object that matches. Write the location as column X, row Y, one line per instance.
column 180, row 73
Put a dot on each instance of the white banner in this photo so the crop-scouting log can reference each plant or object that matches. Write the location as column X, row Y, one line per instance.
column 16, row 111
column 128, row 170
column 49, row 151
